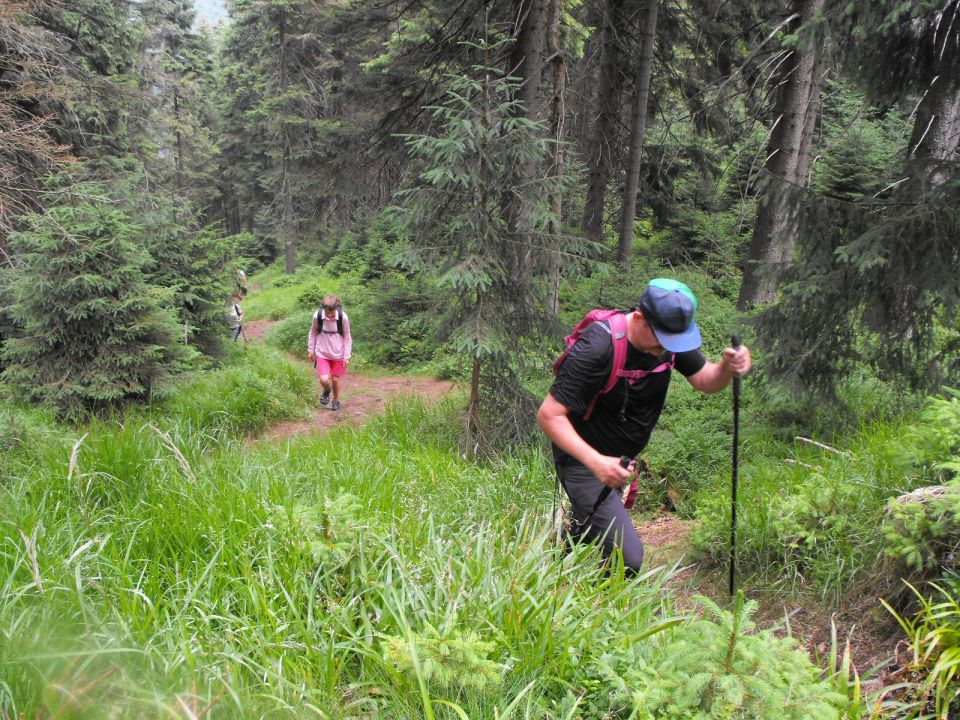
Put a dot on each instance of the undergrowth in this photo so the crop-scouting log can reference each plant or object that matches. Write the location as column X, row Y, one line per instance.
column 161, row 563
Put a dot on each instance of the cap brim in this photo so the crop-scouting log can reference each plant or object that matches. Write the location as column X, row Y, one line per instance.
column 689, row 339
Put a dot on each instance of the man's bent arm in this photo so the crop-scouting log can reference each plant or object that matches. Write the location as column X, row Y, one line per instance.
column 554, row 419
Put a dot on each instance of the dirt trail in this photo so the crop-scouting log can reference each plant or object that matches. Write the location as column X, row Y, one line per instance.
column 666, row 536
column 362, row 396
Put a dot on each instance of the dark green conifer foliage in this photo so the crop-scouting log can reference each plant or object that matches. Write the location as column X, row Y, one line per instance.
column 90, row 330
column 876, row 279
column 455, row 223
column 191, row 264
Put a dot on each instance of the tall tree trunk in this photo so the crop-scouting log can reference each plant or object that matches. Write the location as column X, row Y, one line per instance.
column 638, row 128
column 605, row 102
column 178, row 162
column 557, row 112
column 526, row 58
column 936, row 129
column 771, row 245
column 526, row 63
column 287, row 220
column 473, row 408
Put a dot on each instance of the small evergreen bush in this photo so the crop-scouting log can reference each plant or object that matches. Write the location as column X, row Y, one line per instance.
column 717, row 668
column 90, row 329
column 923, row 531
column 290, row 334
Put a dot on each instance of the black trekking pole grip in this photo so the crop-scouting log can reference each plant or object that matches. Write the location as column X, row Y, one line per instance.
column 625, row 461
column 735, row 343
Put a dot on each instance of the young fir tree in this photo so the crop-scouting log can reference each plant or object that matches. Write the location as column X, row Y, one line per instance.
column 455, row 219
column 90, row 330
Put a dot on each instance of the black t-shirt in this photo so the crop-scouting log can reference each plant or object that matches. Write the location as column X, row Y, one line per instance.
column 585, row 372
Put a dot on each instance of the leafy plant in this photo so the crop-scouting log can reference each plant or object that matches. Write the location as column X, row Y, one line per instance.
column 934, row 635
column 451, row 663
column 923, row 529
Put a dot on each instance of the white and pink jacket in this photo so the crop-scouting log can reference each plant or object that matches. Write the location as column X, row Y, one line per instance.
column 325, row 341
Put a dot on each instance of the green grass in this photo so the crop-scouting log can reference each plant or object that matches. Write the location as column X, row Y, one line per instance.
column 159, row 564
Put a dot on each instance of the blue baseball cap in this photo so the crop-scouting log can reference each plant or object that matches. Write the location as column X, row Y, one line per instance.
column 669, row 307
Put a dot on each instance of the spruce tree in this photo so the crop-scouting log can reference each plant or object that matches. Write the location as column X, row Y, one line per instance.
column 89, row 329
column 455, row 222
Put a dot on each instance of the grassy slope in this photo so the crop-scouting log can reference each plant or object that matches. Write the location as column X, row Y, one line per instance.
column 159, row 564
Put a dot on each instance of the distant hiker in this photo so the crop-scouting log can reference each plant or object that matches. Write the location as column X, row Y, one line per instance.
column 600, row 417
column 235, row 318
column 241, row 284
column 330, row 345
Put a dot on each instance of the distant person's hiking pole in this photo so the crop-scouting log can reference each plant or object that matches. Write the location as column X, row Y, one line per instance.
column 735, row 344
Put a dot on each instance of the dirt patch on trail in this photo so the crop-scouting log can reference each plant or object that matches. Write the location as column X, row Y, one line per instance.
column 257, row 329
column 361, row 396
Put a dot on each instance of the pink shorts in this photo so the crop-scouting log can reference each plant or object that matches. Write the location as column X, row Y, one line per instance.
column 336, row 368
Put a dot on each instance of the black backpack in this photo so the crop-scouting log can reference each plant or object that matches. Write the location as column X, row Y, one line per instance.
column 320, row 317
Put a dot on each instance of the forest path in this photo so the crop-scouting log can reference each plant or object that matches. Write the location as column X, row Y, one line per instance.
column 362, row 396
column 665, row 535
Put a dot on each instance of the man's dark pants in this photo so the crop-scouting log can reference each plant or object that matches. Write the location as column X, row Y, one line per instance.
column 610, row 523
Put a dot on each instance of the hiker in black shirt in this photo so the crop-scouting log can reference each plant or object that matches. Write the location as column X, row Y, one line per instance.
column 588, row 450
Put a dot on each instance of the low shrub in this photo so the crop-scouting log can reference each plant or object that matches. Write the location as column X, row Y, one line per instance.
column 934, row 636
column 261, row 387
column 716, row 667
column 922, row 529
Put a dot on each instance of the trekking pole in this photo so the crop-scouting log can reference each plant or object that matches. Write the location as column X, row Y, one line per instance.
column 735, row 343
column 243, row 333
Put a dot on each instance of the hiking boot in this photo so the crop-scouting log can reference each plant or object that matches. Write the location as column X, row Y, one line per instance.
column 325, row 397
column 335, row 406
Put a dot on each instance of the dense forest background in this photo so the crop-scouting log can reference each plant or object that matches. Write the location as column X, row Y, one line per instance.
column 800, row 158
column 470, row 178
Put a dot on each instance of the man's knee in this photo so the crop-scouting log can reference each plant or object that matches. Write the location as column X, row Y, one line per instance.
column 632, row 557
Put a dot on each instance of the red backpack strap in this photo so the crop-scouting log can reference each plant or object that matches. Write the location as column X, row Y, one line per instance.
column 618, row 332
column 617, row 327
column 634, row 375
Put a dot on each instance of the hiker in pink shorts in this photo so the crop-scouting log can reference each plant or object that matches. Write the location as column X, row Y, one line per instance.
column 329, row 345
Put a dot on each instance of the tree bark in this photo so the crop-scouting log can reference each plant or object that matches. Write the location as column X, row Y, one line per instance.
column 638, row 128
column 557, row 130
column 771, row 245
column 526, row 63
column 936, row 129
column 605, row 102
column 286, row 221
column 526, row 59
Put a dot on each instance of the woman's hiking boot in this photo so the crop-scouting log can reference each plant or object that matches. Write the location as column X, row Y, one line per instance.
column 335, row 406
column 325, row 397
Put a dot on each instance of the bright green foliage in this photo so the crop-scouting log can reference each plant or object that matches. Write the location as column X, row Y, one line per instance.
column 814, row 523
column 258, row 388
column 924, row 532
column 449, row 663
column 91, row 330
column 331, row 533
column 934, row 635
column 719, row 668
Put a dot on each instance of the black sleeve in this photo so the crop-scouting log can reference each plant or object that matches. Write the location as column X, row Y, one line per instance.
column 585, row 370
column 691, row 362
